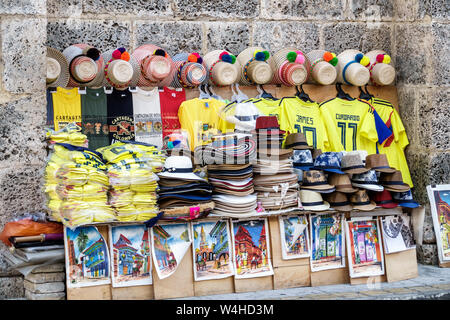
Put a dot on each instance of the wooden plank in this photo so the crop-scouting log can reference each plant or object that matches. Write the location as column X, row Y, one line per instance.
column 368, row 280
column 292, row 276
column 444, row 264
column 133, row 293
column 209, row 287
column 401, row 265
column 253, row 284
column 102, row 292
column 330, row 277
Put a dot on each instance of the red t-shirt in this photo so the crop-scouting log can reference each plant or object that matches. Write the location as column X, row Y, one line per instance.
column 170, row 100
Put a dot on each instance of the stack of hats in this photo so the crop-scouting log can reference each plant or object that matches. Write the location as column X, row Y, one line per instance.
column 301, row 154
column 360, row 201
column 405, row 199
column 234, row 179
column 182, row 193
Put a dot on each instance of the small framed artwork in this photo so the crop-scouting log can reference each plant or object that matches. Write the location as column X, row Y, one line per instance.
column 398, row 234
column 439, row 196
column 294, row 237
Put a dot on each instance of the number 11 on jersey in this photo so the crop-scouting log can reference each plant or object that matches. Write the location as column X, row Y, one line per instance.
column 350, row 125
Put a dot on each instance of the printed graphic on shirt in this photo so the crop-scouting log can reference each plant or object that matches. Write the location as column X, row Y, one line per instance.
column 148, row 128
column 122, row 129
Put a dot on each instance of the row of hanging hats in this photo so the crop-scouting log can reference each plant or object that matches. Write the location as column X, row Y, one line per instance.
column 82, row 65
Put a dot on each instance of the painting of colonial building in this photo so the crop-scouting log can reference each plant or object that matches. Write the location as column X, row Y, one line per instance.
column 294, row 237
column 439, row 196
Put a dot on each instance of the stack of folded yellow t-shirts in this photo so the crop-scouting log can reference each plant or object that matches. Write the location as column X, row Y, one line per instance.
column 70, row 134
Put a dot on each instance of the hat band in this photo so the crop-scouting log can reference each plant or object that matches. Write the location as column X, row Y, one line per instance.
column 393, row 182
column 247, row 118
column 177, row 170
column 316, row 62
column 381, row 167
column 353, row 167
column 345, row 69
column 319, row 183
column 366, row 182
column 299, row 143
column 384, row 201
column 339, row 204
column 179, row 76
column 70, row 70
column 327, row 167
column 361, row 203
column 303, row 164
column 109, row 80
column 312, row 204
column 344, row 186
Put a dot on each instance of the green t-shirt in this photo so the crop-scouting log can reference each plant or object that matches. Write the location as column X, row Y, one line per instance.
column 94, row 117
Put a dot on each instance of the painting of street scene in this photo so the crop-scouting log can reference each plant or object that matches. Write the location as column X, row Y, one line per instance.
column 440, row 211
column 251, row 249
column 327, row 242
column 211, row 250
column 87, row 257
column 170, row 242
column 365, row 250
column 131, row 255
column 294, row 237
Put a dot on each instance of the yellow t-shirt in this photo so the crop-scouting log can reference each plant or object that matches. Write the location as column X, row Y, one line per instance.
column 269, row 107
column 200, row 118
column 352, row 122
column 66, row 107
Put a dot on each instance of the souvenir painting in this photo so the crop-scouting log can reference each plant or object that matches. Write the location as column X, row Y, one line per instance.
column 327, row 242
column 211, row 250
column 440, row 211
column 365, row 251
column 170, row 243
column 131, row 255
column 87, row 257
column 294, row 237
column 397, row 233
column 251, row 249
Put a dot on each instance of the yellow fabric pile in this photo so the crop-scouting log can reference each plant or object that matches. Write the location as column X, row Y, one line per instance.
column 70, row 134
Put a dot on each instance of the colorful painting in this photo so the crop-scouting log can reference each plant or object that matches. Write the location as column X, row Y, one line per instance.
column 294, row 237
column 211, row 250
column 440, row 211
column 170, row 242
column 251, row 249
column 397, row 233
column 365, row 251
column 131, row 256
column 87, row 257
column 327, row 242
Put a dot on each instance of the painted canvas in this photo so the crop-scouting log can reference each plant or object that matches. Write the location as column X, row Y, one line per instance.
column 440, row 211
column 365, row 251
column 294, row 237
column 211, row 250
column 327, row 242
column 131, row 256
column 170, row 242
column 87, row 257
column 251, row 249
column 397, row 233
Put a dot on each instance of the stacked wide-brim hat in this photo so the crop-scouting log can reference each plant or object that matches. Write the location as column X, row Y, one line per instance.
column 277, row 192
column 313, row 201
column 341, row 182
column 234, row 179
column 360, row 201
column 323, row 67
column 379, row 163
column 382, row 73
column 255, row 66
column 85, row 65
column 394, row 182
column 121, row 69
column 57, row 69
column 290, row 66
column 352, row 163
column 384, row 199
column 235, row 206
column 367, row 180
column 339, row 201
column 223, row 68
column 189, row 70
column 315, row 180
column 351, row 68
column 156, row 66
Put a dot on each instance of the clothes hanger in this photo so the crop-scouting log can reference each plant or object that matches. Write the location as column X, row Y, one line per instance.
column 302, row 94
column 213, row 94
column 267, row 95
column 342, row 94
column 240, row 96
column 364, row 95
column 202, row 94
column 367, row 91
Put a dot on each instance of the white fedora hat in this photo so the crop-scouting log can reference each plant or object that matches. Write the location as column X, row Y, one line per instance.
column 382, row 73
column 223, row 68
column 312, row 200
column 85, row 65
column 255, row 66
column 351, row 68
column 156, row 66
column 290, row 67
column 179, row 167
column 323, row 67
column 57, row 69
column 367, row 180
column 121, row 69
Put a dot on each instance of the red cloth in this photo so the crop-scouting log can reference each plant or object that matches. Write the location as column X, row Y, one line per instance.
column 170, row 101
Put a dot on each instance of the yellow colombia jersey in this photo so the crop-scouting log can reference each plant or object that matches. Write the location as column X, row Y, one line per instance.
column 66, row 107
column 394, row 149
column 352, row 122
column 300, row 116
column 200, row 118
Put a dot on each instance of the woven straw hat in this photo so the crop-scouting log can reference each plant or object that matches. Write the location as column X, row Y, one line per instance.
column 121, row 69
column 351, row 68
column 323, row 67
column 223, row 68
column 85, row 65
column 57, row 69
column 156, row 66
column 255, row 65
column 290, row 67
column 382, row 73
column 189, row 70
column 313, row 201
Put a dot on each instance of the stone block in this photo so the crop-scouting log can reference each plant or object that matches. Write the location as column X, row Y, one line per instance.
column 45, row 296
column 23, row 53
column 276, row 35
column 57, row 267
column 45, row 277
column 427, row 254
column 371, row 10
column 429, row 237
column 232, row 36
column 440, row 9
column 407, row 110
column 11, row 288
column 441, row 53
column 276, row 9
column 128, row 7
column 66, row 8
column 175, row 37
column 49, row 287
column 103, row 34
column 410, row 10
column 217, row 9
column 27, row 7
column 419, row 167
column 439, row 168
column 424, row 114
column 330, row 10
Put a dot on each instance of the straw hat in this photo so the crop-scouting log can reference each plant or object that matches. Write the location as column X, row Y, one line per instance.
column 379, row 162
column 57, row 69
column 255, row 66
column 382, row 73
column 223, row 68
column 316, row 180
column 361, row 201
column 290, row 67
column 296, row 141
column 313, row 201
column 189, row 70
column 352, row 163
column 156, row 65
column 323, row 67
column 367, row 180
column 85, row 65
column 121, row 69
column 394, row 182
column 339, row 201
column 341, row 182
column 351, row 68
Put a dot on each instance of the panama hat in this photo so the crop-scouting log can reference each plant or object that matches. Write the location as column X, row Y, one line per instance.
column 189, row 70
column 382, row 73
column 405, row 199
column 156, row 65
column 57, row 69
column 223, row 68
column 290, row 67
column 394, row 182
column 179, row 167
column 316, row 180
column 244, row 118
column 339, row 201
column 328, row 161
column 121, row 69
column 361, row 201
column 255, row 66
column 351, row 68
column 341, row 182
column 302, row 159
column 352, row 163
column 296, row 141
column 384, row 199
column 379, row 162
column 85, row 65
column 323, row 67
column 367, row 180
column 312, row 200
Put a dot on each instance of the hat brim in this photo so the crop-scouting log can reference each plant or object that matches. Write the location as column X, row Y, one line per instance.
column 345, row 208
column 356, row 170
column 371, row 187
column 318, row 187
column 181, row 175
column 389, row 205
column 63, row 78
column 304, row 168
column 398, row 188
column 366, row 207
column 346, row 189
column 250, row 214
column 386, row 170
column 323, row 207
column 412, row 204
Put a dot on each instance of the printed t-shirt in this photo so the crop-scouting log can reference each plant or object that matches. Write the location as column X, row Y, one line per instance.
column 269, row 107
column 94, row 115
column 120, row 116
column 147, row 117
column 170, row 101
column 200, row 118
column 66, row 107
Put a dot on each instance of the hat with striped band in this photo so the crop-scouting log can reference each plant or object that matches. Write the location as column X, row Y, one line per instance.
column 312, row 201
column 121, row 69
column 361, row 201
column 189, row 70
column 223, row 67
column 85, row 65
column 255, row 66
column 57, row 69
column 382, row 73
column 156, row 66
column 290, row 67
column 351, row 68
column 323, row 67
column 394, row 182
column 339, row 201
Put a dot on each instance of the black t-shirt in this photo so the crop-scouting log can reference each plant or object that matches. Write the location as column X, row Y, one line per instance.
column 94, row 117
column 120, row 116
